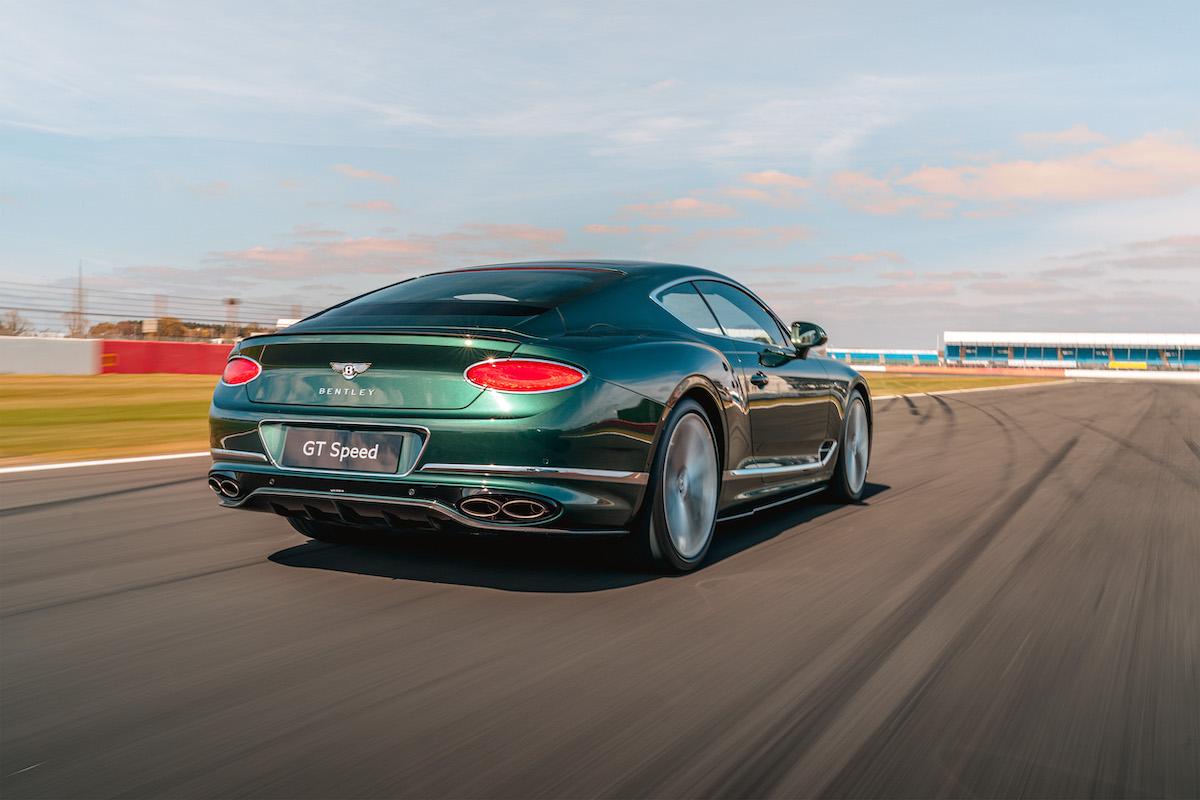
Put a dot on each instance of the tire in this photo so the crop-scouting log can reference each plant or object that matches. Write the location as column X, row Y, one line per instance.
column 328, row 531
column 854, row 453
column 675, row 526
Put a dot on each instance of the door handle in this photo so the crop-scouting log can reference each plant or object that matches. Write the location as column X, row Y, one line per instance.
column 759, row 379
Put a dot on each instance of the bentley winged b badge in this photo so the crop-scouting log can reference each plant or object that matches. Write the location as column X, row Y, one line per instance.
column 350, row 370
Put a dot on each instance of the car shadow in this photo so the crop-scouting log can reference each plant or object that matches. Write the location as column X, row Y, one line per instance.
column 533, row 563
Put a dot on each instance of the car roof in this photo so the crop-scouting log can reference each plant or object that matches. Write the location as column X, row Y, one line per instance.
column 640, row 269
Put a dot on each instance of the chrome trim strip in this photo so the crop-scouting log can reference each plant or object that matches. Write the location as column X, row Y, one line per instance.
column 429, row 505
column 764, row 507
column 307, row 421
column 237, row 455
column 785, row 469
column 564, row 473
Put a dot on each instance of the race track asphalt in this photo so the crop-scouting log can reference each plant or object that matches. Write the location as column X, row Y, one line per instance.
column 1014, row 611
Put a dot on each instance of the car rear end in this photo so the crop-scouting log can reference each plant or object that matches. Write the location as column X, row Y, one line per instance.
column 453, row 407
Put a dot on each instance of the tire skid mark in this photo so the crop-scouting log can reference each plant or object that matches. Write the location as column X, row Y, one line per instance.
column 912, row 407
column 1010, row 441
column 1183, row 475
column 31, row 507
column 782, row 744
column 845, row 783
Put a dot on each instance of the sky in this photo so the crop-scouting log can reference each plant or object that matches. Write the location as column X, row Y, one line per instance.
column 888, row 170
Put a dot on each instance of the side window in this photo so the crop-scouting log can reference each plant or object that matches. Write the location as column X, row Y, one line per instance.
column 683, row 301
column 741, row 315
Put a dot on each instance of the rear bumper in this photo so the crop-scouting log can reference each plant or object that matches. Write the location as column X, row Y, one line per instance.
column 584, row 453
column 427, row 500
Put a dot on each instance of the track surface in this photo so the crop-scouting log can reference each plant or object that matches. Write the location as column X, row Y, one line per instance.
column 1015, row 610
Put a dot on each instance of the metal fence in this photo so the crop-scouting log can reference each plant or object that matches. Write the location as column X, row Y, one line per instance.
column 28, row 309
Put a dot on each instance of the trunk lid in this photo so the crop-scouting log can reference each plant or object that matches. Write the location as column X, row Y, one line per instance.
column 409, row 371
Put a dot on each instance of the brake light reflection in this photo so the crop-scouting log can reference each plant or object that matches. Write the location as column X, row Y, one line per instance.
column 523, row 375
column 239, row 370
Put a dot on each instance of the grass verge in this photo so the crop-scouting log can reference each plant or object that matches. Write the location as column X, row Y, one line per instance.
column 892, row 383
column 60, row 418
column 53, row 418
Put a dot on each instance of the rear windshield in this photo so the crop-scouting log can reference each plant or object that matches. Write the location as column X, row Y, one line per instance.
column 499, row 298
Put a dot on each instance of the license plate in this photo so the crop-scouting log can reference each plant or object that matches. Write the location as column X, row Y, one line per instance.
column 352, row 451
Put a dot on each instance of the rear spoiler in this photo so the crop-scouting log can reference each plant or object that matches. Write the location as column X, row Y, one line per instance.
column 497, row 334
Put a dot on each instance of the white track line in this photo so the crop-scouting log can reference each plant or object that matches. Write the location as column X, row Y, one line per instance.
column 104, row 462
column 141, row 459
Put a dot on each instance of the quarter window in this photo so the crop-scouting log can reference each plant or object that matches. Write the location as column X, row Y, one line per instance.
column 685, row 302
column 741, row 315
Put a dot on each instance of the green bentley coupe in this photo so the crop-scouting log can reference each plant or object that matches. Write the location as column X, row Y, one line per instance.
column 641, row 400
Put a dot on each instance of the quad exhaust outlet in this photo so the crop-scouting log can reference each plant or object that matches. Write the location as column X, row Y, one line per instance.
column 505, row 509
column 224, row 486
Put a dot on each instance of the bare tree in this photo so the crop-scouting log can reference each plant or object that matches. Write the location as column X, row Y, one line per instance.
column 13, row 324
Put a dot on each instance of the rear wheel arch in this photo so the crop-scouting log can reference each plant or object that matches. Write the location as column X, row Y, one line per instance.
column 701, row 390
column 712, row 409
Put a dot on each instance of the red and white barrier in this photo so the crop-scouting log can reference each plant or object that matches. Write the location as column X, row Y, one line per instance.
column 30, row 355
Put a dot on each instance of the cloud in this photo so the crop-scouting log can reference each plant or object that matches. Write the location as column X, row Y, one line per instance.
column 1155, row 164
column 606, row 229
column 1150, row 255
column 957, row 275
column 1076, row 134
column 768, row 186
column 379, row 206
column 682, row 207
column 877, row 255
column 1152, row 165
column 905, row 291
column 313, row 231
column 835, row 265
column 774, row 235
column 317, row 254
column 875, row 196
column 351, row 171
column 1019, row 286
column 775, row 179
column 806, row 269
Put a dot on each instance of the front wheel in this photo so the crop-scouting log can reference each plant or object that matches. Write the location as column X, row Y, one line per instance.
column 680, row 512
column 854, row 453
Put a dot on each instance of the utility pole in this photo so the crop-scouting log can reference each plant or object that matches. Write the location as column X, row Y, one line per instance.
column 77, row 317
column 231, row 304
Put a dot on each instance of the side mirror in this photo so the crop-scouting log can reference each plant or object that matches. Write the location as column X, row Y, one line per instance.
column 808, row 334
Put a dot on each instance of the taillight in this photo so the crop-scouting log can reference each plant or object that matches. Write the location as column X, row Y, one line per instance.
column 523, row 375
column 239, row 370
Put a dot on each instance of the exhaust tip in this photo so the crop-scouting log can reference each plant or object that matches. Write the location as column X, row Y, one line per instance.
column 524, row 509
column 230, row 488
column 215, row 485
column 480, row 507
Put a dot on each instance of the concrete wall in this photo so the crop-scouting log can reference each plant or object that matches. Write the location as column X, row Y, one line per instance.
column 28, row 355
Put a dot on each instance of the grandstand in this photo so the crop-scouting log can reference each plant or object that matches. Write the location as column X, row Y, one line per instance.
column 1141, row 351
column 888, row 358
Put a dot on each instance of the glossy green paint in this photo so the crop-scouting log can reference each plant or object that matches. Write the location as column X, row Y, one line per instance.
column 639, row 359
